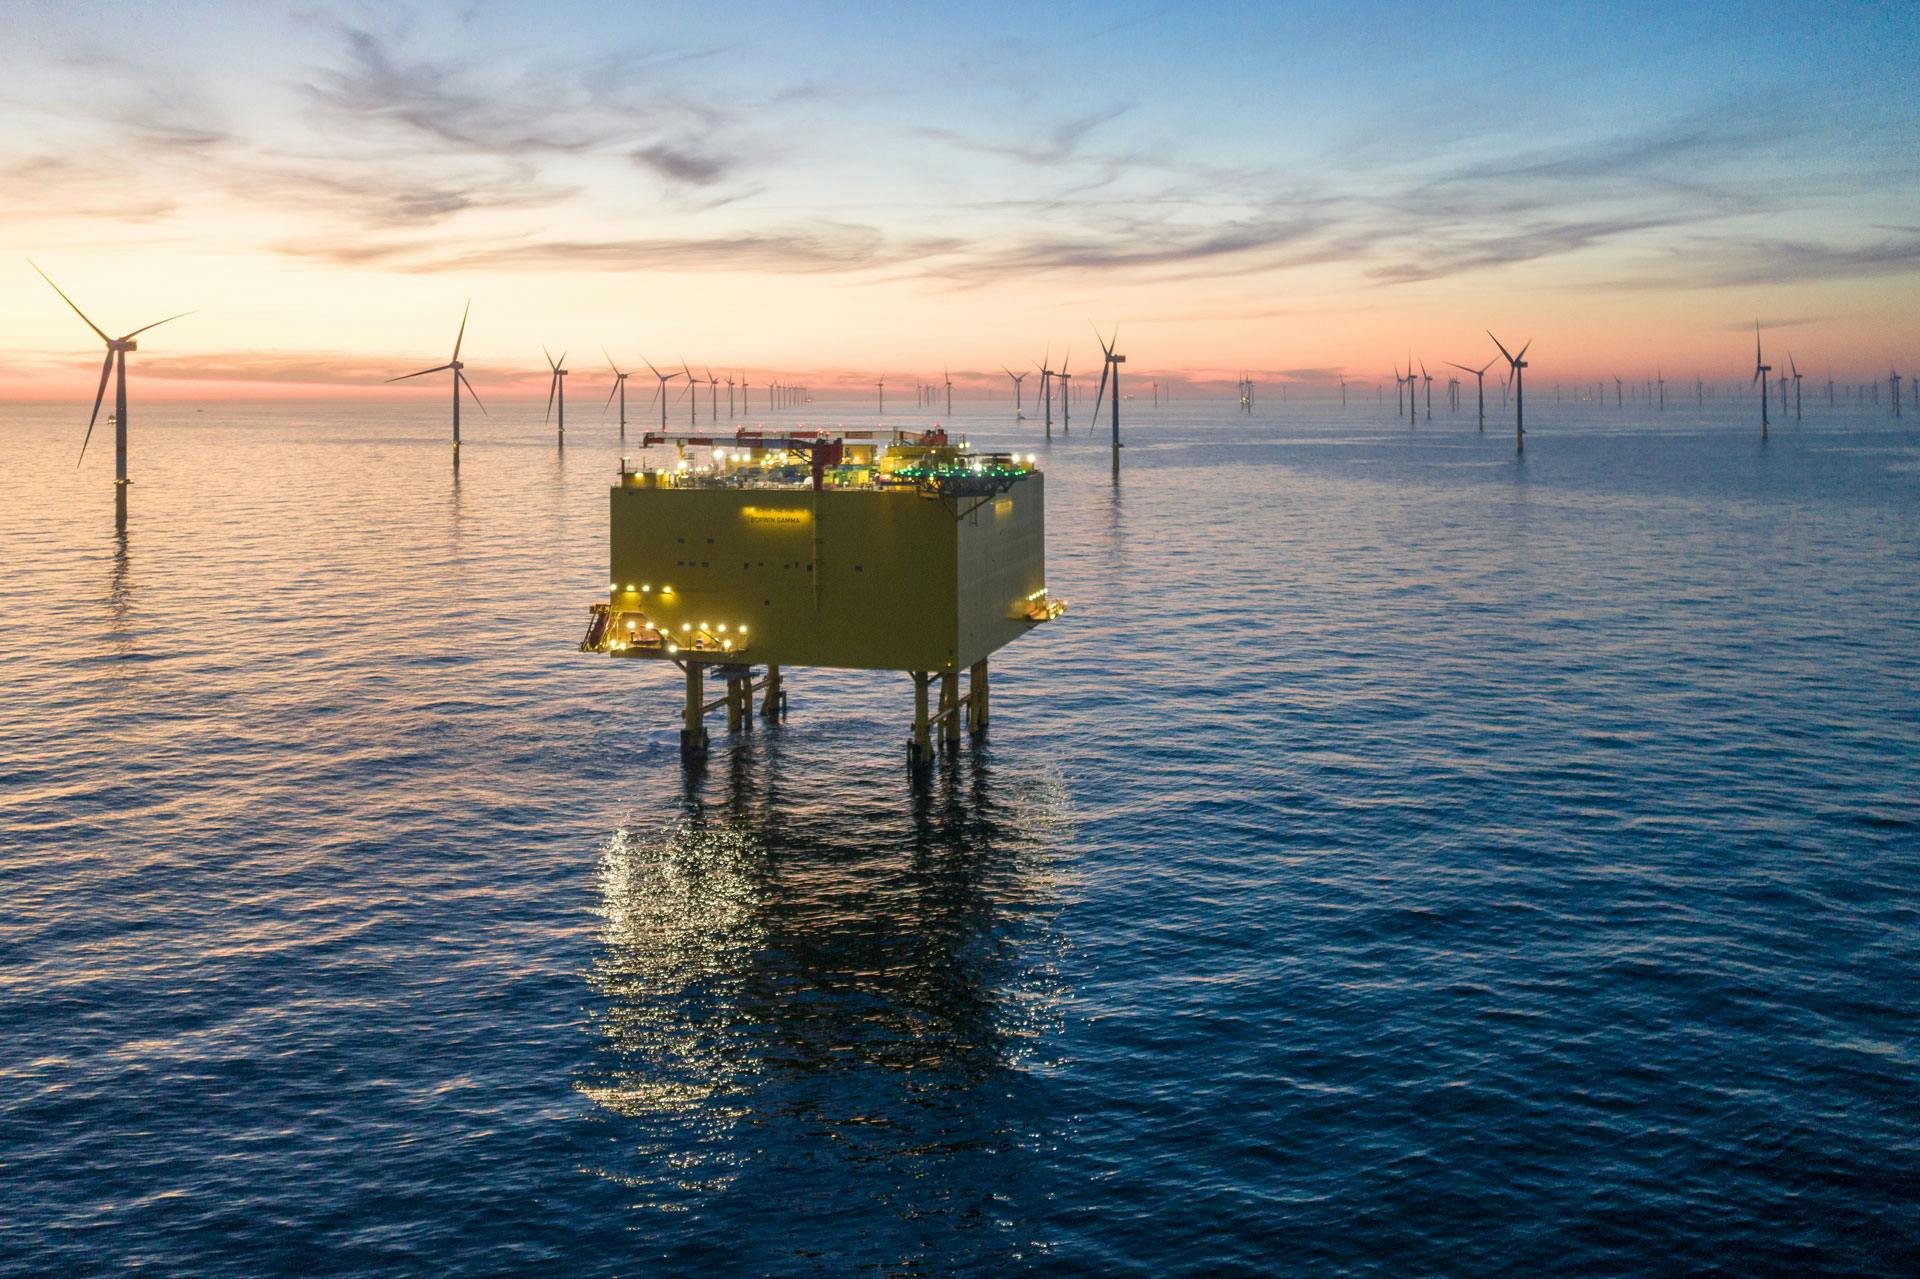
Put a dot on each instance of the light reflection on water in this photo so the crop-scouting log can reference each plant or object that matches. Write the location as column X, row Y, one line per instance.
column 811, row 1004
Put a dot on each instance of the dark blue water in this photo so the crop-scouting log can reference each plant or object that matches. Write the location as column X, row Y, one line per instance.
column 1400, row 861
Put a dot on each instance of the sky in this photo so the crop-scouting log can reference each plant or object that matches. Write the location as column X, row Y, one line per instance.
column 836, row 192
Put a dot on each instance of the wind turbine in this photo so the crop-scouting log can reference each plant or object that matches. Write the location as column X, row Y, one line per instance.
column 116, row 365
column 946, row 377
column 1343, row 393
column 713, row 396
column 730, row 412
column 1661, row 377
column 693, row 394
column 1428, row 379
column 620, row 388
column 1110, row 366
column 1018, row 378
column 1518, row 365
column 1066, row 386
column 1796, row 388
column 1760, row 370
column 1480, row 382
column 454, row 366
column 557, row 386
column 1893, row 391
column 1046, row 387
column 660, row 392
column 881, row 386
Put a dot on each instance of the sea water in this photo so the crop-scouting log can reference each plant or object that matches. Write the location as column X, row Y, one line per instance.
column 1405, row 857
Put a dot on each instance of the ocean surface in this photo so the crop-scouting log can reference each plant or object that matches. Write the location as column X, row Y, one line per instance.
column 1402, row 860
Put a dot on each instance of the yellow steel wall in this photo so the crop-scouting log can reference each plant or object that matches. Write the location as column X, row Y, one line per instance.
column 902, row 585
column 1002, row 555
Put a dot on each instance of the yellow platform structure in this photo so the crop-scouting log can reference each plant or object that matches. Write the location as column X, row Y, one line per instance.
column 825, row 549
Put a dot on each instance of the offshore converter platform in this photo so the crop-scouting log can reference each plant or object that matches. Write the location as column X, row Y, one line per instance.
column 825, row 548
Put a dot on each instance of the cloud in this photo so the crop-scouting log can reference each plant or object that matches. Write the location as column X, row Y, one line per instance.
column 1731, row 263
column 804, row 249
column 1504, row 248
column 1134, row 244
column 680, row 165
column 1056, row 146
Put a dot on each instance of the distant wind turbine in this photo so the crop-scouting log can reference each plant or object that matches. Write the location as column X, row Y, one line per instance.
column 660, row 391
column 693, row 394
column 1110, row 365
column 1480, row 383
column 557, row 387
column 1760, row 370
column 1517, row 364
column 1065, row 379
column 1046, row 387
column 1018, row 378
column 620, row 389
column 946, row 377
column 1796, row 388
column 459, row 379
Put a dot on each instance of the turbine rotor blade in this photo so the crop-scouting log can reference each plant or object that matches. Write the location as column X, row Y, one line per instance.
column 553, row 384
column 461, row 336
column 1503, row 349
column 105, row 370
column 156, row 324
column 470, row 391
column 438, row 368
column 69, row 301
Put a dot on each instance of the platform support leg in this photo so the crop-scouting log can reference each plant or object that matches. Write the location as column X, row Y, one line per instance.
column 950, row 708
column 977, row 697
column 773, row 703
column 920, row 745
column 693, row 732
column 733, row 705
